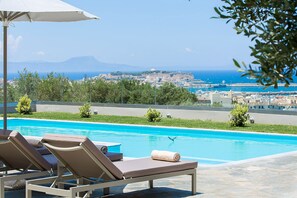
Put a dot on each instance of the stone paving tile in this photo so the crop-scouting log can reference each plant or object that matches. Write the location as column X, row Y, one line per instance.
column 266, row 178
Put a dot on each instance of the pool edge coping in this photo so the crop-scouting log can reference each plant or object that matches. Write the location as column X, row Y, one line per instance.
column 256, row 159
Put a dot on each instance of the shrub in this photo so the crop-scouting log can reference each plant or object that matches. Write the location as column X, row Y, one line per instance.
column 85, row 111
column 239, row 116
column 24, row 105
column 153, row 115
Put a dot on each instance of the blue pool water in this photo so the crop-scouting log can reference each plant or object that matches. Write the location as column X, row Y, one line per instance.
column 206, row 146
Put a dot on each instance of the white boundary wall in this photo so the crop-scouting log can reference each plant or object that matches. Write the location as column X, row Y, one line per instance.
column 221, row 116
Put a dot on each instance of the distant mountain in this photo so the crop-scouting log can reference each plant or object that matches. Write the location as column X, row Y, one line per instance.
column 76, row 64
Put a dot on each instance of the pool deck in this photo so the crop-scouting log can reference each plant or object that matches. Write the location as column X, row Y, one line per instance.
column 271, row 177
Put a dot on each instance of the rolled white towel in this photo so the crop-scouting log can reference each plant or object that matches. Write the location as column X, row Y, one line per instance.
column 165, row 156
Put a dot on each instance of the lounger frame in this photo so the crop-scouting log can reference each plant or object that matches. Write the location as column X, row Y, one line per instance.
column 58, row 181
column 36, row 185
column 16, row 176
column 9, row 174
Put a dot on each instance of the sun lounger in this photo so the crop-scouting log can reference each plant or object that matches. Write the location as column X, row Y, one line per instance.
column 98, row 171
column 39, row 147
column 21, row 161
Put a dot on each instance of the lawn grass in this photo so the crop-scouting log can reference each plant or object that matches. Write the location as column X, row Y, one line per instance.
column 268, row 128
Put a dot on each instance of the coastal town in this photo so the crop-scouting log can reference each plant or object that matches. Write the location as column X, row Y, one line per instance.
column 210, row 94
column 255, row 100
column 154, row 77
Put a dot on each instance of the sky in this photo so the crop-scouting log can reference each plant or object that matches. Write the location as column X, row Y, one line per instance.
column 177, row 34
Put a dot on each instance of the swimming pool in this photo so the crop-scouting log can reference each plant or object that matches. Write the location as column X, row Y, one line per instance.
column 206, row 146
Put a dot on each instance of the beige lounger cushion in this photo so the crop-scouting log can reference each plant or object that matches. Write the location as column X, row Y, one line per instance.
column 114, row 156
column 11, row 156
column 4, row 134
column 111, row 155
column 29, row 150
column 74, row 159
column 63, row 140
column 147, row 166
column 90, row 167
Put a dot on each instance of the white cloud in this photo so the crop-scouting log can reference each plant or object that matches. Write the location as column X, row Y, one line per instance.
column 189, row 50
column 40, row 53
column 14, row 42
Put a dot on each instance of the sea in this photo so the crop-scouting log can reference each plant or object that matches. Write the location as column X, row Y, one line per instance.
column 232, row 77
column 213, row 77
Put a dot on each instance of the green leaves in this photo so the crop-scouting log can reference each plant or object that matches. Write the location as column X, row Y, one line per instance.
column 170, row 94
column 236, row 63
column 272, row 25
column 55, row 87
column 24, row 105
column 239, row 115
column 153, row 115
column 85, row 111
column 219, row 12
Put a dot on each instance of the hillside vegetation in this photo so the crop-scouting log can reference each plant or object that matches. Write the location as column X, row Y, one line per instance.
column 56, row 87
